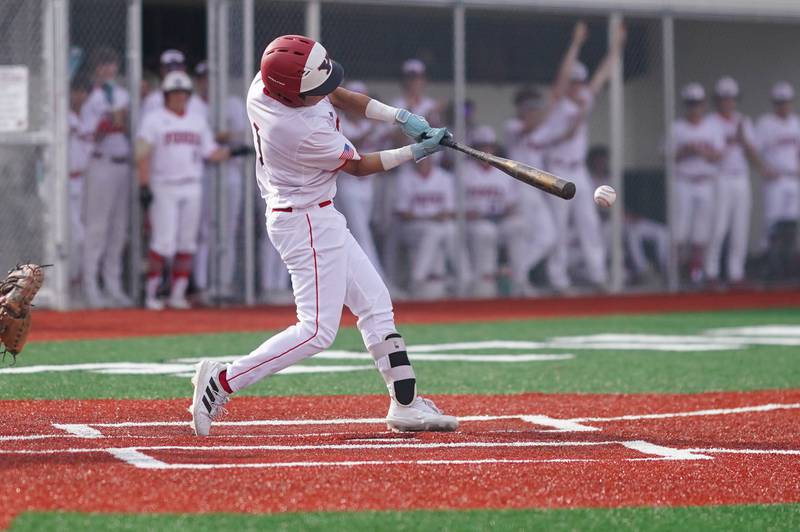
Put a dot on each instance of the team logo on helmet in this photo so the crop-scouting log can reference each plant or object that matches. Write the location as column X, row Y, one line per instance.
column 326, row 65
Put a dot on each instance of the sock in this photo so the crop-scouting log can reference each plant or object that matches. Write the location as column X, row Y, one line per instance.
column 223, row 380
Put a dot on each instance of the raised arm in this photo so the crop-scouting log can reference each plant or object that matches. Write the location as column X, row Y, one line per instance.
column 579, row 35
column 603, row 72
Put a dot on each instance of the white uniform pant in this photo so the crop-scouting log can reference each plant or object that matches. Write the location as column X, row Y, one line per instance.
column 731, row 217
column 643, row 230
column 175, row 217
column 694, row 211
column 538, row 231
column 328, row 270
column 781, row 200
column 582, row 211
column 354, row 198
column 234, row 184
column 430, row 243
column 484, row 238
column 76, row 227
column 107, row 206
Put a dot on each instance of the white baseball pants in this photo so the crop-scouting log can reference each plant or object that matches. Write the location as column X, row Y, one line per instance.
column 731, row 217
column 781, row 200
column 484, row 238
column 175, row 217
column 328, row 270
column 694, row 211
column 107, row 205
column 429, row 242
column 582, row 211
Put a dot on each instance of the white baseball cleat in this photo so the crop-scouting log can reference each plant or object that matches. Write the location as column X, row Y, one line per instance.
column 421, row 415
column 209, row 397
column 152, row 303
column 179, row 303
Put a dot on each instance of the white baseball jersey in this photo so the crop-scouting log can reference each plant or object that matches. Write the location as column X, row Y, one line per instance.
column 778, row 142
column 155, row 101
column 734, row 158
column 179, row 144
column 489, row 192
column 528, row 148
column 299, row 150
column 102, row 101
column 424, row 196
column 572, row 150
column 706, row 132
column 80, row 145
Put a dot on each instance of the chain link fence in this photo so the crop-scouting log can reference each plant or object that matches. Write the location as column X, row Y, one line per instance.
column 479, row 69
column 24, row 103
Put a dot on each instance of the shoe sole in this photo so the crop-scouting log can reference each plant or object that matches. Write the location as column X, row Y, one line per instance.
column 446, row 424
column 201, row 375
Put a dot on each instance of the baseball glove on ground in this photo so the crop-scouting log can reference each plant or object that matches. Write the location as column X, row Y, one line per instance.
column 16, row 294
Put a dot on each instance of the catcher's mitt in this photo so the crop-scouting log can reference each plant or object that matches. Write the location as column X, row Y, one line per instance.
column 16, row 294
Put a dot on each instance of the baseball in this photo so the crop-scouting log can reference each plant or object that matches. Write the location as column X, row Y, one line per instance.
column 605, row 196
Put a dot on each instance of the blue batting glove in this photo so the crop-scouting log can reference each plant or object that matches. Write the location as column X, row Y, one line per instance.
column 430, row 144
column 413, row 125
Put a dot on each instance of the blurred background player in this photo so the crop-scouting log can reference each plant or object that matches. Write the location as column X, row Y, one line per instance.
column 170, row 149
column 425, row 205
column 490, row 202
column 732, row 195
column 778, row 135
column 80, row 149
column 107, row 183
column 170, row 61
column 574, row 100
column 354, row 194
column 698, row 143
column 414, row 83
column 234, row 132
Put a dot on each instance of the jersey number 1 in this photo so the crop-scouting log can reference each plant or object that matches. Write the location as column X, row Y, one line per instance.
column 258, row 142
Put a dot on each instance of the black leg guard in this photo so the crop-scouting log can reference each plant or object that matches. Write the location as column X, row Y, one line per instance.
column 392, row 361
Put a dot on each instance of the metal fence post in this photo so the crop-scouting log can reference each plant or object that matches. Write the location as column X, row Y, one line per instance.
column 616, row 158
column 249, row 178
column 134, row 74
column 668, row 40
column 459, row 99
column 313, row 20
column 220, row 170
column 55, row 50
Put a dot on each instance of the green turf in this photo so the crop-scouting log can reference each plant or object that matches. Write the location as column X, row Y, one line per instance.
column 756, row 367
column 755, row 517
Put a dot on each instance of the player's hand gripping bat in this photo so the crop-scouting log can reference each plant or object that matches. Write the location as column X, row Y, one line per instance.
column 522, row 172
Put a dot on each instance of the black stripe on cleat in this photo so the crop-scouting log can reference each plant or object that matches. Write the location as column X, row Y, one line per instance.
column 210, row 395
column 207, row 404
column 213, row 385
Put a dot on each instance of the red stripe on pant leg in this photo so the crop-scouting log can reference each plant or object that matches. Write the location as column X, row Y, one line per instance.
column 316, row 319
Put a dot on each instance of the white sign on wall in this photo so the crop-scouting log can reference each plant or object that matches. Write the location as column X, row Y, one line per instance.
column 13, row 98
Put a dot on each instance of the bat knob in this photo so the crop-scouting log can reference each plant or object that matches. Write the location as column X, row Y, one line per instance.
column 568, row 192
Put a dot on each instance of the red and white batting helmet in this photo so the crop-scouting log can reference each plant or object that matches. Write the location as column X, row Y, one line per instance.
column 294, row 66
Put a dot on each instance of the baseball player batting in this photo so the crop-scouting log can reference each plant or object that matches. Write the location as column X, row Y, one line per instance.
column 292, row 107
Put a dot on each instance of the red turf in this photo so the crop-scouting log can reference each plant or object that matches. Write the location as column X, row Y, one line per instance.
column 98, row 481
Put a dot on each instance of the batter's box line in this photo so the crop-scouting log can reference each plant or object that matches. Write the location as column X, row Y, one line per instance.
column 89, row 430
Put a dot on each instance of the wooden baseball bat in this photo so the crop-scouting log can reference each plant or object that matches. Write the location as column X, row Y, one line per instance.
column 521, row 172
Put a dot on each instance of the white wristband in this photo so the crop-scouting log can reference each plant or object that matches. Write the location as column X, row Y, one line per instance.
column 380, row 111
column 393, row 158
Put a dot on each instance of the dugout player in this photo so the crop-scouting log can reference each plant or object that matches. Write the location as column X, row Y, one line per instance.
column 697, row 143
column 778, row 135
column 170, row 148
column 567, row 158
column 732, row 195
column 491, row 199
column 425, row 205
column 292, row 105
column 106, row 183
column 171, row 61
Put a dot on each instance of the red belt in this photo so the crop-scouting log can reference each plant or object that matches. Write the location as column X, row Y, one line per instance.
column 289, row 209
